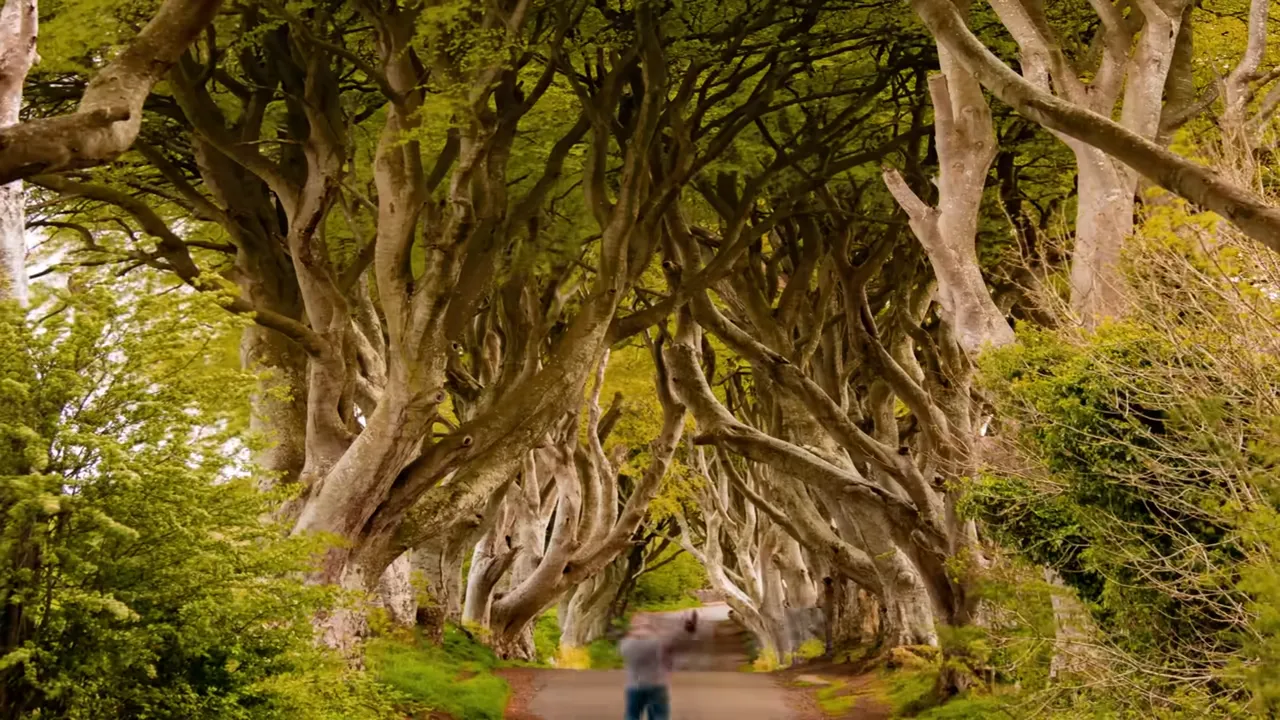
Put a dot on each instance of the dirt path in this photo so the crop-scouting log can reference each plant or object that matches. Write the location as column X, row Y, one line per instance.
column 706, row 685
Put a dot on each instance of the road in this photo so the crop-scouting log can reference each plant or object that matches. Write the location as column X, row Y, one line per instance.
column 706, row 685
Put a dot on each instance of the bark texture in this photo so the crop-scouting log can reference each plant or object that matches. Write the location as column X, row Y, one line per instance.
column 966, row 146
column 19, row 22
column 1253, row 215
column 110, row 112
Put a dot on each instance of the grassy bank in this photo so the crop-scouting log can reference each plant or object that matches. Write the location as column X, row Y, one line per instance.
column 455, row 678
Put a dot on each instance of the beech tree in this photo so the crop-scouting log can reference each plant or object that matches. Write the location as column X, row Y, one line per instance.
column 424, row 319
column 18, row 24
column 751, row 561
column 1254, row 215
column 109, row 114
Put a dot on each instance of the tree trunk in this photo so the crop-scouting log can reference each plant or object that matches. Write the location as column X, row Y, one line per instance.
column 1072, row 641
column 801, row 590
column 853, row 615
column 396, row 592
column 587, row 608
column 966, row 146
column 279, row 405
column 1252, row 214
column 19, row 20
column 1104, row 220
column 490, row 561
column 440, row 564
column 908, row 609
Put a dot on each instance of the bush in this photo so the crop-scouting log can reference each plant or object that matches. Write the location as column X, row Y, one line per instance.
column 603, row 654
column 137, row 576
column 1142, row 465
column 811, row 648
column 546, row 636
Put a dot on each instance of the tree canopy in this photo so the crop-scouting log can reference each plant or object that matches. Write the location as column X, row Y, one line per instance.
column 864, row 305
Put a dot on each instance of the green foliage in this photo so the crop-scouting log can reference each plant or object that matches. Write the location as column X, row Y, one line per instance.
column 669, row 587
column 834, row 701
column 1147, row 471
column 811, row 648
column 631, row 374
column 600, row 654
column 455, row 677
column 546, row 636
column 138, row 576
column 908, row 692
column 969, row 707
column 604, row 654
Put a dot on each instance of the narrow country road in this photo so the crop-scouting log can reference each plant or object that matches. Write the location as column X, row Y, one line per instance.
column 706, row 686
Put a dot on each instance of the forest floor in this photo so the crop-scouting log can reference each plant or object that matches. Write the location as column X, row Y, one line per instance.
column 709, row 684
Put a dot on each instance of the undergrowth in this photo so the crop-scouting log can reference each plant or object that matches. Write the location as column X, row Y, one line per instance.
column 455, row 677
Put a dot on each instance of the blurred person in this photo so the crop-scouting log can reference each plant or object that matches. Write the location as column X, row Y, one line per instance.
column 647, row 656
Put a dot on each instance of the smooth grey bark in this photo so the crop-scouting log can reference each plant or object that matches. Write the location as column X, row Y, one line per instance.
column 1237, row 85
column 396, row 593
column 585, row 611
column 738, row 549
column 798, row 581
column 440, row 565
column 966, row 145
column 19, row 23
column 587, row 538
column 1253, row 215
column 1132, row 71
column 110, row 112
column 489, row 562
column 266, row 279
column 880, row 527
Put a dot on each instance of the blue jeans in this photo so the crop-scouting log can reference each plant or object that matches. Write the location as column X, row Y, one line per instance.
column 654, row 699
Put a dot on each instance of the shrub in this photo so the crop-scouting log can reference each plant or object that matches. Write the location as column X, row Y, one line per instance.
column 1142, row 466
column 811, row 648
column 137, row 576
column 546, row 636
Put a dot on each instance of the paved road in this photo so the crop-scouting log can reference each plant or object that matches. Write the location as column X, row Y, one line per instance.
column 706, row 685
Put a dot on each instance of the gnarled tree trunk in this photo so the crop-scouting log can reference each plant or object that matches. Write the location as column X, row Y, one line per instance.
column 586, row 610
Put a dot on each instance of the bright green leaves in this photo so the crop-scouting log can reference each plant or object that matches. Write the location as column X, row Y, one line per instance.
column 137, row 574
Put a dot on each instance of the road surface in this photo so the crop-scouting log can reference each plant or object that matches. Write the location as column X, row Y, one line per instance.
column 706, row 686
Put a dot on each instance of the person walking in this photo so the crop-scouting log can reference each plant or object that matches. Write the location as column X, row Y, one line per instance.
column 647, row 657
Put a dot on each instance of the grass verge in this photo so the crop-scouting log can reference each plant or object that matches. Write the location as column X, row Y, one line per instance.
column 455, row 678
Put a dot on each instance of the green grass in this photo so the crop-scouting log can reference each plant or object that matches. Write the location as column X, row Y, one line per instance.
column 832, row 702
column 968, row 707
column 909, row 692
column 604, row 655
column 455, row 678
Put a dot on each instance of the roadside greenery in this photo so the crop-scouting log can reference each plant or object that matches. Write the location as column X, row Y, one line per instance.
column 1142, row 467
column 139, row 576
column 454, row 677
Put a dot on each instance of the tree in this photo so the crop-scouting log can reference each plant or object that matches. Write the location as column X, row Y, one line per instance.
column 136, row 575
column 18, row 23
column 1252, row 214
column 110, row 113
column 423, row 336
column 1135, row 462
